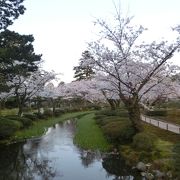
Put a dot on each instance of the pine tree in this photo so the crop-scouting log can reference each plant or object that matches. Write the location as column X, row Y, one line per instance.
column 83, row 71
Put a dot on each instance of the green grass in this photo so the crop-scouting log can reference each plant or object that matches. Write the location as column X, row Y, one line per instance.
column 162, row 134
column 166, row 140
column 5, row 112
column 39, row 127
column 89, row 135
column 165, row 148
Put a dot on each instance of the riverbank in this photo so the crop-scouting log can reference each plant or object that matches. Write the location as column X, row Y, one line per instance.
column 39, row 127
column 153, row 147
column 105, row 130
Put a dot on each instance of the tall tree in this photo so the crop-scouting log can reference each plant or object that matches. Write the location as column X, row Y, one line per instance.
column 17, row 56
column 9, row 11
column 131, row 66
column 83, row 71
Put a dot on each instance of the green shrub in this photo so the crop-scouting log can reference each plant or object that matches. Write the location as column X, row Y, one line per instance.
column 145, row 156
column 107, row 116
column 8, row 127
column 118, row 112
column 27, row 109
column 40, row 116
column 32, row 117
column 103, row 120
column 164, row 165
column 25, row 121
column 94, row 107
column 59, row 112
column 131, row 157
column 99, row 116
column 119, row 131
column 156, row 113
column 12, row 117
column 48, row 112
column 144, row 141
column 176, row 160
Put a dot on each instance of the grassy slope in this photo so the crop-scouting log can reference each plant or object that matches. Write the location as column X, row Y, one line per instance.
column 89, row 135
column 162, row 134
column 40, row 126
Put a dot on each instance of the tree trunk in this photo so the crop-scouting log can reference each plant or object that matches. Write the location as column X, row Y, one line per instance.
column 135, row 116
column 21, row 103
column 53, row 106
column 111, row 103
column 117, row 103
column 20, row 111
column 38, row 104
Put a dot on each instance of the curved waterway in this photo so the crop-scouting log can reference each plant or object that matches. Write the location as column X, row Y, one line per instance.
column 54, row 156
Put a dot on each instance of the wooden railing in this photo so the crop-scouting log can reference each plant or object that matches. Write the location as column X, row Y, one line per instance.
column 161, row 124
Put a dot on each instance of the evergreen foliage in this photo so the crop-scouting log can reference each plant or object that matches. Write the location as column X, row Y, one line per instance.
column 84, row 71
column 9, row 11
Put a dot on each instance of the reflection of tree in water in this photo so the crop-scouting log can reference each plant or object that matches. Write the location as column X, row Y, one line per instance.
column 88, row 157
column 39, row 168
column 114, row 165
column 17, row 165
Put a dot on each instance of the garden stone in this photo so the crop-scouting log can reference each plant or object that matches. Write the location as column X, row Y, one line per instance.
column 169, row 174
column 159, row 174
column 149, row 176
column 141, row 166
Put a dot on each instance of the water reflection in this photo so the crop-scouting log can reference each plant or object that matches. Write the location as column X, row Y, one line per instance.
column 115, row 165
column 54, row 156
column 17, row 165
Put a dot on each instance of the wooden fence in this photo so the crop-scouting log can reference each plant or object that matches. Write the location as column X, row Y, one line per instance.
column 161, row 124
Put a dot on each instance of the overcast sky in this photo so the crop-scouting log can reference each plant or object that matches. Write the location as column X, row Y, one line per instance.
column 62, row 28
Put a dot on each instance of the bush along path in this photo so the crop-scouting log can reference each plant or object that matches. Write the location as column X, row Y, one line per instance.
column 150, row 151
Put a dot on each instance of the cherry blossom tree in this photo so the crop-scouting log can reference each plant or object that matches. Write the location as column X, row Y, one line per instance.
column 132, row 67
column 25, row 88
column 86, row 89
column 50, row 92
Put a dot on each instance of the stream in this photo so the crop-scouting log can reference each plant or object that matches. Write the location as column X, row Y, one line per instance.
column 55, row 157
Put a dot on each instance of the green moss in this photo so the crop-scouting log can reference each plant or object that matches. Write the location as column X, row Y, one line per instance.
column 89, row 135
